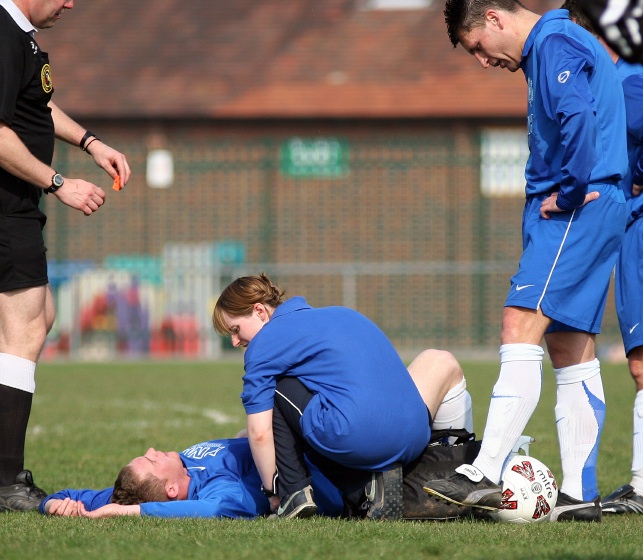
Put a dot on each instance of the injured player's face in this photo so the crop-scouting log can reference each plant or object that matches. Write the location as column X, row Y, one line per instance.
column 164, row 465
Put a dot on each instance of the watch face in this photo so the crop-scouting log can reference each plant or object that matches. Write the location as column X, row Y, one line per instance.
column 57, row 180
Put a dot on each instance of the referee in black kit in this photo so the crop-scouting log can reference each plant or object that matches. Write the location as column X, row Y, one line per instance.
column 29, row 123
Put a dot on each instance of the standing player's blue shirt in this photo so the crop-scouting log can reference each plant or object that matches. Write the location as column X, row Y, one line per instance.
column 573, row 142
column 632, row 78
column 224, row 483
column 366, row 412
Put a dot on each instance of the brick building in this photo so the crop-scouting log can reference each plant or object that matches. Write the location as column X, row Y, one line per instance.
column 342, row 145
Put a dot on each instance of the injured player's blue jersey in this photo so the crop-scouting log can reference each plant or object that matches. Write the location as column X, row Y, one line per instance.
column 224, row 483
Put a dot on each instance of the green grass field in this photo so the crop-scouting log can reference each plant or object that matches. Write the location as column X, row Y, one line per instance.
column 88, row 420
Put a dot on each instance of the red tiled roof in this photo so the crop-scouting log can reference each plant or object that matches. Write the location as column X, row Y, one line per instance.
column 268, row 58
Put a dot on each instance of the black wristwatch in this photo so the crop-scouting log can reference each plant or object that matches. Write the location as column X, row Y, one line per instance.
column 57, row 181
column 267, row 493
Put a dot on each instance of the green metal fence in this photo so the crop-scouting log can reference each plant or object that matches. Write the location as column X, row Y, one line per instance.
column 391, row 224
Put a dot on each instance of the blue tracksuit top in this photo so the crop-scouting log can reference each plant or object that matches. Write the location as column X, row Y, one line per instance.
column 366, row 412
column 224, row 483
column 576, row 114
column 632, row 79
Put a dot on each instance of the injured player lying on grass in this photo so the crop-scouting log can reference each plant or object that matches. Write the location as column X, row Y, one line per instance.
column 218, row 479
column 214, row 478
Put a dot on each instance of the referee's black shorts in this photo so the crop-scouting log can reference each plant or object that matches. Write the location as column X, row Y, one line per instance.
column 23, row 263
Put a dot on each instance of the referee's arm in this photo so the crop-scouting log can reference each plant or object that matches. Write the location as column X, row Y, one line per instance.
column 16, row 158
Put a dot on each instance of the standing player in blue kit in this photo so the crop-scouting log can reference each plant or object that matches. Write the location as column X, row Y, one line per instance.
column 573, row 224
column 629, row 280
column 629, row 273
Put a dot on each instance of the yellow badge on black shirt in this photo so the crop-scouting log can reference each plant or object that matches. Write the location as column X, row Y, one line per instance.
column 45, row 75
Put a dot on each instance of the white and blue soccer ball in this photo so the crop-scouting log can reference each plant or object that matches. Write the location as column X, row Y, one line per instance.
column 529, row 492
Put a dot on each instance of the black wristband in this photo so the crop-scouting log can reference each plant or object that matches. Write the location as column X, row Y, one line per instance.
column 84, row 139
column 86, row 148
column 274, row 491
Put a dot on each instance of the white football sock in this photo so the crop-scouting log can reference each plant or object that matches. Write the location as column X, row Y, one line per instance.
column 637, row 454
column 18, row 373
column 513, row 401
column 455, row 409
column 580, row 415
